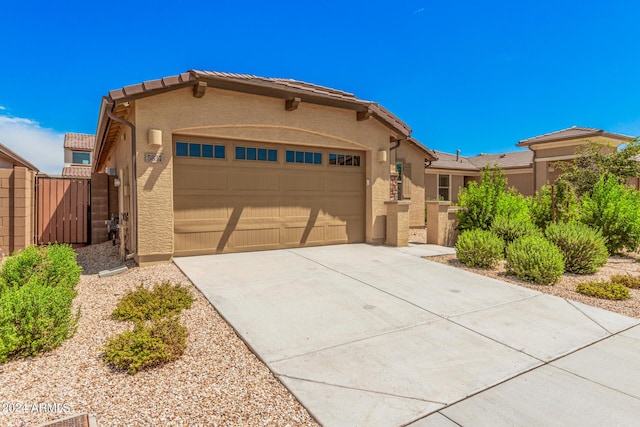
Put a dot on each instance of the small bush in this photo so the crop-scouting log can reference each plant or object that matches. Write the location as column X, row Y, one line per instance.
column 479, row 201
column 604, row 290
column 479, row 248
column 509, row 229
column 36, row 300
column 583, row 248
column 145, row 304
column 535, row 259
column 147, row 345
column 18, row 269
column 35, row 318
column 627, row 280
column 614, row 209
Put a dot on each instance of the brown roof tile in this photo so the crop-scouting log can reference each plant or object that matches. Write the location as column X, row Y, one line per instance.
column 515, row 159
column 574, row 132
column 451, row 161
column 77, row 171
column 79, row 141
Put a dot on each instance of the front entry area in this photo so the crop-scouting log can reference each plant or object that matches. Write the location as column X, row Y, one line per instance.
column 232, row 196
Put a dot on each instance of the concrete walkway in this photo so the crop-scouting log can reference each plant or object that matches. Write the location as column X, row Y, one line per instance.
column 374, row 336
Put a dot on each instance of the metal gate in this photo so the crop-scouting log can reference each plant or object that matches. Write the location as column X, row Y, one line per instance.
column 63, row 210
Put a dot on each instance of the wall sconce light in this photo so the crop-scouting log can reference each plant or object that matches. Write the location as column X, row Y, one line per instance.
column 382, row 155
column 155, row 137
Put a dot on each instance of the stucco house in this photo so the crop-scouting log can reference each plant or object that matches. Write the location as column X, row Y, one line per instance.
column 526, row 170
column 17, row 204
column 78, row 149
column 209, row 162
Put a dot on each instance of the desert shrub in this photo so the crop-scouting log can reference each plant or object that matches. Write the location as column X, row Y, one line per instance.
column 479, row 248
column 34, row 318
column 614, row 209
column 145, row 346
column 146, row 304
column 564, row 206
column 583, row 248
column 36, row 300
column 479, row 201
column 626, row 280
column 18, row 269
column 509, row 229
column 604, row 290
column 535, row 259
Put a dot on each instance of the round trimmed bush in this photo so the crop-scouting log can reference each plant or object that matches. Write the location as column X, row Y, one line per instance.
column 535, row 259
column 604, row 290
column 510, row 229
column 479, row 248
column 584, row 249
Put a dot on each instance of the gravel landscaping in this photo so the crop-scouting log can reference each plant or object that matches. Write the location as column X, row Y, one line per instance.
column 217, row 382
column 566, row 286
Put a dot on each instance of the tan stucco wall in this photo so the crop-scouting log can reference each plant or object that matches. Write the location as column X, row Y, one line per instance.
column 522, row 181
column 408, row 154
column 239, row 116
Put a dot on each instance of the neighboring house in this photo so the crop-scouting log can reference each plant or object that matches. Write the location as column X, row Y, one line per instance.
column 527, row 171
column 78, row 149
column 210, row 162
column 17, row 205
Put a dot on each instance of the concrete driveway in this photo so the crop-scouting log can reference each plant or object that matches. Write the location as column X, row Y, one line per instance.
column 375, row 336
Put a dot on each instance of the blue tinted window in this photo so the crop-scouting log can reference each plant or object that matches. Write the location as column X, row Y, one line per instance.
column 308, row 157
column 80, row 158
column 262, row 154
column 219, row 152
column 273, row 155
column 194, row 150
column 251, row 153
column 341, row 159
column 299, row 156
column 290, row 156
column 317, row 158
column 333, row 159
column 207, row 151
column 182, row 149
column 240, row 153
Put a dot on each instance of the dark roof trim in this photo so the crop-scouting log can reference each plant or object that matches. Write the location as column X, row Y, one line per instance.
column 569, row 134
column 4, row 150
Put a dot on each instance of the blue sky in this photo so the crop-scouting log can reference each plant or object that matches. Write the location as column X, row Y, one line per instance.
column 477, row 76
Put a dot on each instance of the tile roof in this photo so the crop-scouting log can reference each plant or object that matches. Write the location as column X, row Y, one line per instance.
column 77, row 171
column 514, row 159
column 79, row 141
column 451, row 161
column 573, row 132
column 15, row 158
column 275, row 86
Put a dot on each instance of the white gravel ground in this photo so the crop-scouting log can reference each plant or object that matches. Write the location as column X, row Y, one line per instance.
column 566, row 286
column 217, row 382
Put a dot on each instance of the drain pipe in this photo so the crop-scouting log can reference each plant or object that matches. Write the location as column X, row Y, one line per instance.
column 134, row 185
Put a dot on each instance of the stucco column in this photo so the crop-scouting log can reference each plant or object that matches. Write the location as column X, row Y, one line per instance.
column 397, row 222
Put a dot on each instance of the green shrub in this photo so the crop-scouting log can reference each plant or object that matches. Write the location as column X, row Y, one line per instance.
column 479, row 248
column 583, row 248
column 147, row 345
column 509, row 229
column 36, row 300
column 145, row 304
column 627, row 280
column 18, row 269
column 35, row 318
column 479, row 201
column 614, row 209
column 535, row 259
column 604, row 290
column 563, row 206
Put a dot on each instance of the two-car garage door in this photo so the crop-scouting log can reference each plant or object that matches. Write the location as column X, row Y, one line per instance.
column 235, row 197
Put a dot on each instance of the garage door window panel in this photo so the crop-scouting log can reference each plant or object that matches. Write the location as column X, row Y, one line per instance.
column 340, row 159
column 305, row 157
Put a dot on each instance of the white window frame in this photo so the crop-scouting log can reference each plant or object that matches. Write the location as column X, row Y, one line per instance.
column 447, row 187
